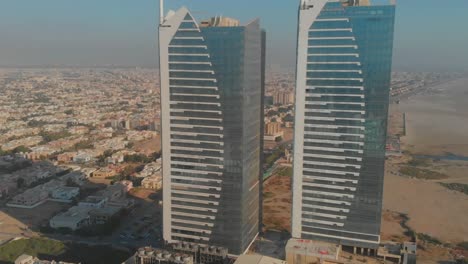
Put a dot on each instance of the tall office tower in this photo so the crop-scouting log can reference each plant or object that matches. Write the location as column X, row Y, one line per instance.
column 344, row 59
column 212, row 79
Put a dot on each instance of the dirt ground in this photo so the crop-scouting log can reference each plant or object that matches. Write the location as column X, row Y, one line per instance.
column 34, row 218
column 143, row 194
column 148, row 146
column 436, row 124
column 11, row 228
column 277, row 204
column 17, row 222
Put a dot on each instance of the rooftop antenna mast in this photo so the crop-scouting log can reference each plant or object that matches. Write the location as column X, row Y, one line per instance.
column 161, row 12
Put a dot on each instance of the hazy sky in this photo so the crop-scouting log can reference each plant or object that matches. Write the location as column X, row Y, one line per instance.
column 430, row 34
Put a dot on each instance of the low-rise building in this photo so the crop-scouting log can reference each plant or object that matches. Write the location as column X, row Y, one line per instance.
column 74, row 219
column 31, row 198
column 82, row 158
column 128, row 185
column 65, row 194
column 103, row 173
column 27, row 259
column 273, row 131
column 152, row 255
column 76, row 177
column 153, row 182
column 66, row 157
column 93, row 202
column 302, row 251
column 103, row 215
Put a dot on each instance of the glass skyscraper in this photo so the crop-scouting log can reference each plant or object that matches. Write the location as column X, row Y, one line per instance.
column 344, row 59
column 212, row 78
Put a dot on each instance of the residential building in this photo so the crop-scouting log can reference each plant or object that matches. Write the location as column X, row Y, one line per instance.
column 82, row 158
column 344, row 60
column 283, row 98
column 93, row 202
column 103, row 215
column 212, row 111
column 152, row 255
column 154, row 183
column 273, row 131
column 27, row 259
column 65, row 194
column 103, row 173
column 74, row 219
column 272, row 128
column 31, row 198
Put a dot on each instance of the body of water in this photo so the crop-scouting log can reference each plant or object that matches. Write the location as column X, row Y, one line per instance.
column 448, row 156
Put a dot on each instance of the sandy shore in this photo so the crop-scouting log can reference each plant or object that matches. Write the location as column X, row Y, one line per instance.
column 436, row 124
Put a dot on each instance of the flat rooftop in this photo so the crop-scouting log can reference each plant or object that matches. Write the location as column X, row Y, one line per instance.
column 367, row 2
column 313, row 248
column 219, row 21
column 258, row 259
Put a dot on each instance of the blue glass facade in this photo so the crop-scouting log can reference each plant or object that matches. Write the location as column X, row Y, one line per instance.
column 344, row 120
column 214, row 91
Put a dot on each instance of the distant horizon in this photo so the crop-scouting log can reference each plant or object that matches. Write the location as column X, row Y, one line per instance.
column 283, row 70
column 91, row 33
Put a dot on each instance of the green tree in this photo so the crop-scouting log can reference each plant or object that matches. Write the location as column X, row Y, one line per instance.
column 83, row 145
column 21, row 149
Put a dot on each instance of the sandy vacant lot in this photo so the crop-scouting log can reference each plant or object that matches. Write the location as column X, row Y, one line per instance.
column 11, row 228
column 436, row 124
column 148, row 146
column 432, row 208
column 277, row 204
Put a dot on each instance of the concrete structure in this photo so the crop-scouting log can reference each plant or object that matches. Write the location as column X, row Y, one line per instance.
column 398, row 253
column 220, row 21
column 344, row 59
column 202, row 254
column 31, row 198
column 103, row 173
column 65, row 194
column 258, row 259
column 283, row 98
column 27, row 259
column 75, row 218
column 82, row 158
column 103, row 215
column 273, row 131
column 300, row 251
column 212, row 81
column 154, row 183
column 93, row 202
column 149, row 255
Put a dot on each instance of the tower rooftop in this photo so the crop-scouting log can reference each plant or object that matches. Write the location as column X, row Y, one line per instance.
column 219, row 21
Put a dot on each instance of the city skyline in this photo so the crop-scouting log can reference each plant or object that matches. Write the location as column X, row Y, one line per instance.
column 122, row 33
